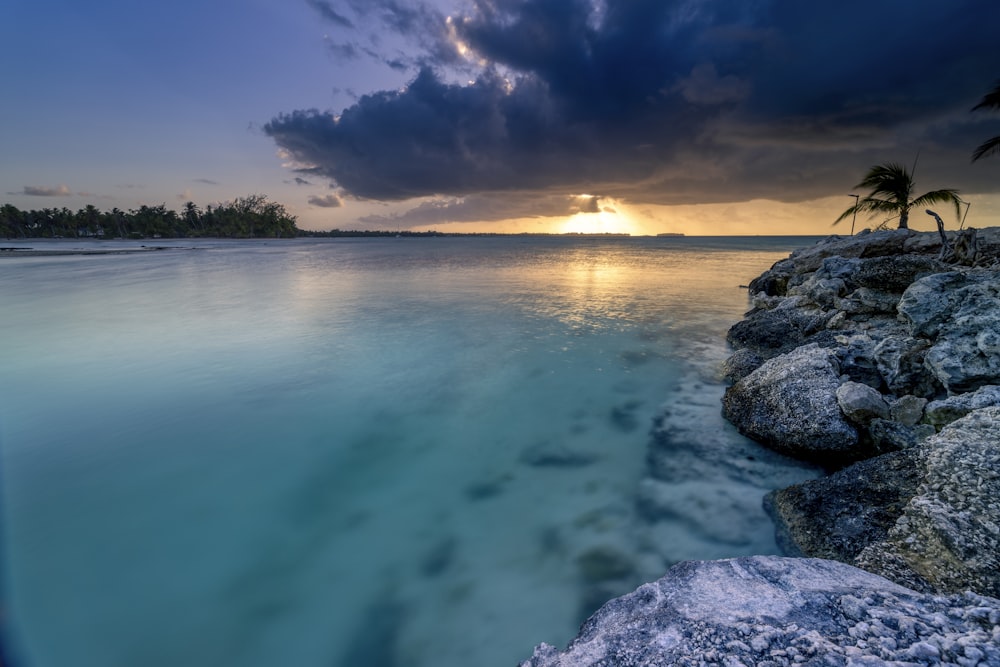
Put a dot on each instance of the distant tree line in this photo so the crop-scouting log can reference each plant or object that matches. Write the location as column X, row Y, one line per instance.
column 253, row 216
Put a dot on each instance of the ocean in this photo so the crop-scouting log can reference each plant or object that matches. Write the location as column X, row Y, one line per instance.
column 381, row 452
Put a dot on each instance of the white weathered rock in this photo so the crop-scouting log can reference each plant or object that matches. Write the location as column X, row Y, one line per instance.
column 768, row 610
column 959, row 313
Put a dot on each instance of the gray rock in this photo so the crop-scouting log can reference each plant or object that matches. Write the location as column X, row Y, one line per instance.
column 925, row 517
column 820, row 291
column 740, row 364
column 875, row 244
column 773, row 282
column 779, row 329
column 860, row 403
column 790, row 405
column 947, row 538
column 967, row 355
column 838, row 267
column 894, row 274
column 949, row 409
column 889, row 436
column 838, row 515
column 856, row 358
column 908, row 410
column 900, row 360
column 767, row 610
column 838, row 321
column 934, row 300
column 869, row 301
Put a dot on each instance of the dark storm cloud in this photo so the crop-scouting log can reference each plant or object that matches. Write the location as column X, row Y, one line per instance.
column 420, row 23
column 665, row 101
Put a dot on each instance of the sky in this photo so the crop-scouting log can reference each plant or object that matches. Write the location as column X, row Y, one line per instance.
column 636, row 116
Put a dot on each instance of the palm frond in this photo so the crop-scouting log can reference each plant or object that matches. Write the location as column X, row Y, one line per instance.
column 987, row 148
column 869, row 206
column 846, row 214
column 991, row 100
column 890, row 180
column 946, row 196
column 873, row 205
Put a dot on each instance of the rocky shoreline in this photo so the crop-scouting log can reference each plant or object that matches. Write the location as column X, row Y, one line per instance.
column 876, row 356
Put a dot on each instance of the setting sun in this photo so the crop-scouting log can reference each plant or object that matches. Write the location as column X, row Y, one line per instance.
column 598, row 215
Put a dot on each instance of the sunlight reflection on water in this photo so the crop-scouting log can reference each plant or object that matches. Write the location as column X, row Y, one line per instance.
column 315, row 453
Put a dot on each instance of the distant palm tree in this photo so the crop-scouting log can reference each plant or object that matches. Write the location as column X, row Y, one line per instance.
column 990, row 101
column 891, row 186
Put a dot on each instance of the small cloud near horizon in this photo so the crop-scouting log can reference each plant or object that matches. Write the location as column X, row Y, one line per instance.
column 206, row 181
column 326, row 201
column 45, row 191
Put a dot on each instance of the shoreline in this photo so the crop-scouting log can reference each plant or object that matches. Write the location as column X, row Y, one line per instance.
column 32, row 252
column 878, row 357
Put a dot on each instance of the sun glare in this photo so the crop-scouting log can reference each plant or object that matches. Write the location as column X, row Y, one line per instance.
column 605, row 221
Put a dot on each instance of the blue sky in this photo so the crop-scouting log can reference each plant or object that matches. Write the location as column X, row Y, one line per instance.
column 551, row 115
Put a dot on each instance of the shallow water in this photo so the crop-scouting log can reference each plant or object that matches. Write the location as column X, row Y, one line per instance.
column 366, row 451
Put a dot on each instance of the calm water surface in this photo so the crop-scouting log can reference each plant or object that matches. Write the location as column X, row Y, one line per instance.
column 351, row 452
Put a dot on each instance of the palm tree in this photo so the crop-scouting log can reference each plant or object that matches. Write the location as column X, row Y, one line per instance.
column 891, row 186
column 990, row 101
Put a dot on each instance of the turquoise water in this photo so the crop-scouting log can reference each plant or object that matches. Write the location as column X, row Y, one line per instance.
column 356, row 452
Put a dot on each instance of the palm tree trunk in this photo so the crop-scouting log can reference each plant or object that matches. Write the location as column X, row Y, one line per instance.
column 904, row 218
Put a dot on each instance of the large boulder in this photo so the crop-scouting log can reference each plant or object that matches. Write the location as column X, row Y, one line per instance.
column 947, row 538
column 779, row 329
column 929, row 302
column 767, row 610
column 839, row 515
column 790, row 404
column 925, row 517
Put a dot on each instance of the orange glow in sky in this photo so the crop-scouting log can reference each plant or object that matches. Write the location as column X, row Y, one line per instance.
column 602, row 222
